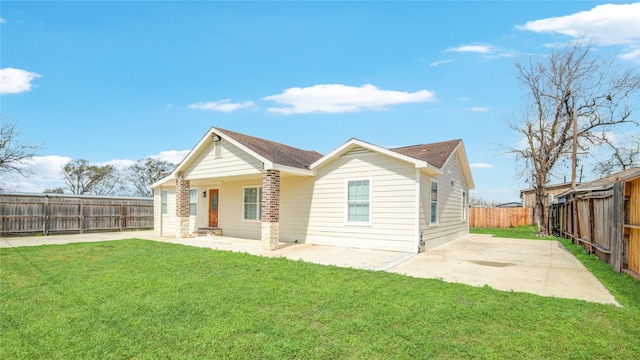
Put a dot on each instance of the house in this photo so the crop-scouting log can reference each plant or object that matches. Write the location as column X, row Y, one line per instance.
column 604, row 217
column 359, row 195
column 528, row 196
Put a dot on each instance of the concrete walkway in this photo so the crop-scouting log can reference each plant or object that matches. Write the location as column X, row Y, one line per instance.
column 539, row 267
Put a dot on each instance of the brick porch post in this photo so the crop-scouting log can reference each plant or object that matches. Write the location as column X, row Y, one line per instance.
column 270, row 209
column 182, row 206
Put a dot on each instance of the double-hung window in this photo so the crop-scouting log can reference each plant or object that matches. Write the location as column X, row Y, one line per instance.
column 164, row 202
column 359, row 201
column 253, row 203
column 434, row 203
column 193, row 202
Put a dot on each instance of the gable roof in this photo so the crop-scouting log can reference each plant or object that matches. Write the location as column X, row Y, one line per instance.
column 274, row 152
column 435, row 154
column 428, row 157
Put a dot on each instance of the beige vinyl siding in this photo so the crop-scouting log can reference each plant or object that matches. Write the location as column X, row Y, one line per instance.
column 231, row 210
column 295, row 201
column 392, row 203
column 450, row 224
column 233, row 161
column 165, row 225
column 157, row 210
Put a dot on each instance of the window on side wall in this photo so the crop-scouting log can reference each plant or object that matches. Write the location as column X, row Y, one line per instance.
column 434, row 203
column 165, row 194
column 193, row 202
column 465, row 206
column 359, row 201
column 253, row 203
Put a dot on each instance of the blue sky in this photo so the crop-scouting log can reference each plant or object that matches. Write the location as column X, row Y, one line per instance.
column 113, row 82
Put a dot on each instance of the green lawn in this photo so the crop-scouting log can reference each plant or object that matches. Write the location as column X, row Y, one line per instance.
column 147, row 300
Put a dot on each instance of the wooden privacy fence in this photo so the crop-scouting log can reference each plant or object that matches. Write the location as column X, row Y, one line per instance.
column 604, row 219
column 23, row 214
column 500, row 217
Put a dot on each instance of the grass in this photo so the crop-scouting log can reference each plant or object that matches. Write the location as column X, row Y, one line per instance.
column 147, row 300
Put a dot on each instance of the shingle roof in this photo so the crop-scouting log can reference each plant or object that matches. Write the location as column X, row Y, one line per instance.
column 608, row 181
column 434, row 154
column 275, row 152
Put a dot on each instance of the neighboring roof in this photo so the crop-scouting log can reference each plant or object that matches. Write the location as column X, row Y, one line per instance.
column 435, row 154
column 275, row 152
column 513, row 204
column 549, row 187
column 608, row 181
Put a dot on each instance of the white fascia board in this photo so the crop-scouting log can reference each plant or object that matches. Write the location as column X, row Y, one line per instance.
column 289, row 169
column 202, row 143
column 267, row 163
column 464, row 162
column 337, row 152
column 164, row 181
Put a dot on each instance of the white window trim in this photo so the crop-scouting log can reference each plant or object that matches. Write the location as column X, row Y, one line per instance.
column 166, row 197
column 464, row 195
column 430, row 202
column 258, row 217
column 197, row 202
column 346, row 203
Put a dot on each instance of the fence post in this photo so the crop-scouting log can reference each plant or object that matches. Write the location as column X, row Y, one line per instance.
column 45, row 216
column 122, row 217
column 617, row 233
column 81, row 218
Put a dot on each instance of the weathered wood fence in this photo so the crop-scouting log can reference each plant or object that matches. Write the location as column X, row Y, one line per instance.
column 25, row 214
column 500, row 217
column 605, row 220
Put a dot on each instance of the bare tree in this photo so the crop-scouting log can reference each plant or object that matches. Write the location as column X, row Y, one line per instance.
column 478, row 201
column 145, row 172
column 13, row 152
column 624, row 154
column 84, row 178
column 567, row 85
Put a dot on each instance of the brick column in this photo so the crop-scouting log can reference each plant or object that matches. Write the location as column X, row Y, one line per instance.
column 270, row 209
column 182, row 206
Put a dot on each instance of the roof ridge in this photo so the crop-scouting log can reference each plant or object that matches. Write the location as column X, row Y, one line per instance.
column 274, row 151
column 423, row 144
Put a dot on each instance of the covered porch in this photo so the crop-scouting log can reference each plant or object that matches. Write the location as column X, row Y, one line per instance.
column 244, row 206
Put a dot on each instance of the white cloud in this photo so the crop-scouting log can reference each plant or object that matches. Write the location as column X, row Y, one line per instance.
column 172, row 156
column 44, row 172
column 481, row 166
column 337, row 98
column 441, row 62
column 3, row 21
column 482, row 49
column 13, row 81
column 609, row 24
column 222, row 105
column 480, row 109
column 632, row 54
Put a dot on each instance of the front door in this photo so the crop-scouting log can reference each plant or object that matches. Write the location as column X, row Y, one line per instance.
column 213, row 208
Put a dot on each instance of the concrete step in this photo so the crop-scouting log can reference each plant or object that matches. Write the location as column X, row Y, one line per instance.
column 209, row 231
